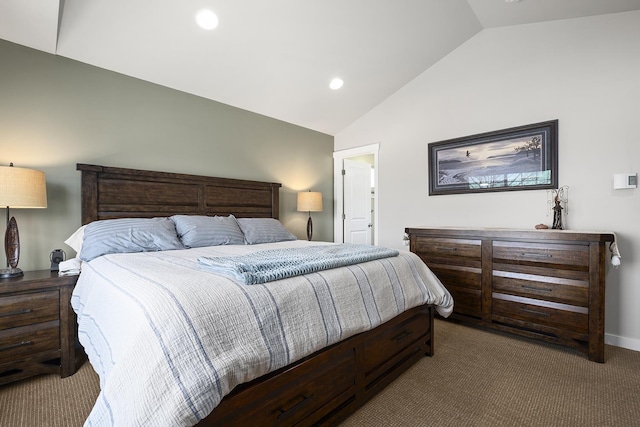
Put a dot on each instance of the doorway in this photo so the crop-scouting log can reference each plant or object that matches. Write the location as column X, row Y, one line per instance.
column 356, row 205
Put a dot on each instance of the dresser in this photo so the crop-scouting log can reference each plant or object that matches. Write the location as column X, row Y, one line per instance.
column 37, row 326
column 542, row 284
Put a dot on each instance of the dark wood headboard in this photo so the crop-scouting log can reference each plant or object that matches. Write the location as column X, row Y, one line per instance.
column 109, row 192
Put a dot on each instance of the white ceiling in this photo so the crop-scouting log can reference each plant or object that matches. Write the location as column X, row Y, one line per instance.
column 275, row 57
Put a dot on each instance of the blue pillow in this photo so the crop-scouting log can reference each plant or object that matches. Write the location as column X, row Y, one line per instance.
column 197, row 230
column 264, row 230
column 126, row 235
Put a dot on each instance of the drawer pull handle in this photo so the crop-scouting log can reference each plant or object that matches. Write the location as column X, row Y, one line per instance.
column 443, row 248
column 538, row 313
column 533, row 288
column 16, row 313
column 285, row 412
column 402, row 336
column 535, row 255
column 20, row 344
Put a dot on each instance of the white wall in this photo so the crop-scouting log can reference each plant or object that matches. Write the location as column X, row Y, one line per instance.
column 583, row 72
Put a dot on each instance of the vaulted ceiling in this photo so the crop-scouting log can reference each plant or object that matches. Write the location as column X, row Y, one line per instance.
column 276, row 57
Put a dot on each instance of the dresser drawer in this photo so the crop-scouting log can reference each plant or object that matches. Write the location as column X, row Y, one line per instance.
column 537, row 312
column 28, row 309
column 548, row 288
column 466, row 301
column 287, row 398
column 17, row 343
column 387, row 344
column 564, row 255
column 458, row 251
column 462, row 277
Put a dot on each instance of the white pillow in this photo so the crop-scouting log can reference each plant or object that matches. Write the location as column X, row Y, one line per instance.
column 75, row 240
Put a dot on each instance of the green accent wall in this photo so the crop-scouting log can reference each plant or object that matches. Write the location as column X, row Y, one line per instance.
column 56, row 112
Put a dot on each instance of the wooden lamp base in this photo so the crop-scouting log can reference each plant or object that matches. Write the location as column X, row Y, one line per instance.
column 12, row 249
column 309, row 228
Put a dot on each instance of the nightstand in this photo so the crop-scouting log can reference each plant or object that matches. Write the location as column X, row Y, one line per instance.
column 37, row 326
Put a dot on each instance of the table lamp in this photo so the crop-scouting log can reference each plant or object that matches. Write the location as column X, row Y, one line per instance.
column 19, row 188
column 309, row 201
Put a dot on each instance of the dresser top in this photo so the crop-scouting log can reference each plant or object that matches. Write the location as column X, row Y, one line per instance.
column 513, row 233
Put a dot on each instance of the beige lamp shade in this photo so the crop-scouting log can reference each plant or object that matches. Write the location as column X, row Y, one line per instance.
column 22, row 188
column 19, row 188
column 310, row 201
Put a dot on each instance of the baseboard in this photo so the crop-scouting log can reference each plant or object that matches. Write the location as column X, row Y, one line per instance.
column 624, row 342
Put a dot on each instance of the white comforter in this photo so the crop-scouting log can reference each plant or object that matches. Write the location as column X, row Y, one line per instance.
column 169, row 340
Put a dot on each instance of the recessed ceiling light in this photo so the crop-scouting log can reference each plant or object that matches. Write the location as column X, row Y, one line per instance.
column 511, row 1
column 336, row 83
column 206, row 19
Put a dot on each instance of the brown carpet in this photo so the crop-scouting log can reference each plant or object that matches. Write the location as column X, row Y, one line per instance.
column 476, row 378
column 48, row 400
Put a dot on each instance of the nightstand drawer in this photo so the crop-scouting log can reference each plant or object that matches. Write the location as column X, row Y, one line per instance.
column 17, row 343
column 37, row 326
column 29, row 309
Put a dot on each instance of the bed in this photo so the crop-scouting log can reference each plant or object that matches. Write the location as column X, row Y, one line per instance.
column 323, row 343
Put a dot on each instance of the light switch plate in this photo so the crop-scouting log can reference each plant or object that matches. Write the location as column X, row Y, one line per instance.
column 625, row 180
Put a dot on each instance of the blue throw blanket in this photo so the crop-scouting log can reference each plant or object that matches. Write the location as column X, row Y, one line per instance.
column 276, row 264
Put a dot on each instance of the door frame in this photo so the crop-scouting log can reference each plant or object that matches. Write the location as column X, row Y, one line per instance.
column 338, row 188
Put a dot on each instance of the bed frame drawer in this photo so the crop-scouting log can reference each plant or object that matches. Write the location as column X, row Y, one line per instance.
column 325, row 387
column 391, row 342
column 288, row 398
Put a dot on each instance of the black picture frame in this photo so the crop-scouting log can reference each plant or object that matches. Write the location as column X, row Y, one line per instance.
column 517, row 158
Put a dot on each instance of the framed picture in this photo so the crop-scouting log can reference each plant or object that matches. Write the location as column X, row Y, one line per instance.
column 519, row 158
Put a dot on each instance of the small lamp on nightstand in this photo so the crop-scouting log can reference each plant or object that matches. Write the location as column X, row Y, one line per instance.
column 19, row 188
column 309, row 201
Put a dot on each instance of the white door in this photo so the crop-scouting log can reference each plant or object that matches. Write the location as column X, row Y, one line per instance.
column 357, row 202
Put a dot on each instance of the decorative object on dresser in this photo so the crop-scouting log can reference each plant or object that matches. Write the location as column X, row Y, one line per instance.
column 19, row 188
column 37, row 326
column 558, row 203
column 518, row 158
column 546, row 284
column 309, row 201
